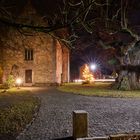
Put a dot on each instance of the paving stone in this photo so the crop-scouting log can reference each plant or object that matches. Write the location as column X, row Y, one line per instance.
column 106, row 115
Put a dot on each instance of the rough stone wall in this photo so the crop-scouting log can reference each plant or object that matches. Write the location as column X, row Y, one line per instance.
column 47, row 52
column 62, row 63
column 44, row 62
column 65, row 70
column 10, row 58
column 58, row 62
column 42, row 66
column 1, row 66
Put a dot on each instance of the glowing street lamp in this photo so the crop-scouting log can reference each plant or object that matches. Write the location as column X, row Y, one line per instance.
column 18, row 82
column 93, row 66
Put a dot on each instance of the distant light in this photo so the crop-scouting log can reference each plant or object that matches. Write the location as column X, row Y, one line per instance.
column 78, row 80
column 93, row 66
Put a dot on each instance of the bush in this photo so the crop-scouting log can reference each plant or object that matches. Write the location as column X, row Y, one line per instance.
column 10, row 82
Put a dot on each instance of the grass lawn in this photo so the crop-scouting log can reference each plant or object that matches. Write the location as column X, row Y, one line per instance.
column 101, row 89
column 17, row 108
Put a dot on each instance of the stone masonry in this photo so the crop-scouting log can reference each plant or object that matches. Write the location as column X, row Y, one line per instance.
column 50, row 58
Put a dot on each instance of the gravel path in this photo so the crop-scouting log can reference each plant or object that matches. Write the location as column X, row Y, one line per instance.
column 106, row 115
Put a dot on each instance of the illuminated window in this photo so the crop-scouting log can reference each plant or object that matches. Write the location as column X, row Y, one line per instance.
column 28, row 54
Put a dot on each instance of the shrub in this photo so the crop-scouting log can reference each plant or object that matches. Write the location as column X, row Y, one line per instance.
column 10, row 82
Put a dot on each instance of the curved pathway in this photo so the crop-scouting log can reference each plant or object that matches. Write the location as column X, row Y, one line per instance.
column 106, row 115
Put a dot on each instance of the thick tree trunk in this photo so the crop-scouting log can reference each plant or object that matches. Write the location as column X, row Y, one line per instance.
column 129, row 71
column 134, row 80
column 122, row 81
column 127, row 80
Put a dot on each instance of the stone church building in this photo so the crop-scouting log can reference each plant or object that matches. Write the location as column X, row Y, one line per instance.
column 37, row 58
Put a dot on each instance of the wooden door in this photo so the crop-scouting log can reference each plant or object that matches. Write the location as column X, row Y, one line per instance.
column 28, row 76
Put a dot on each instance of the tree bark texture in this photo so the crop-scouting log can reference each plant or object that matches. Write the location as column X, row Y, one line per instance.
column 129, row 72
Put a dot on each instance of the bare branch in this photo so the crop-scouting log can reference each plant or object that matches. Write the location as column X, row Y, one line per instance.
column 117, row 13
column 82, row 12
column 36, row 28
column 99, row 4
column 86, row 13
column 132, row 33
column 75, row 4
